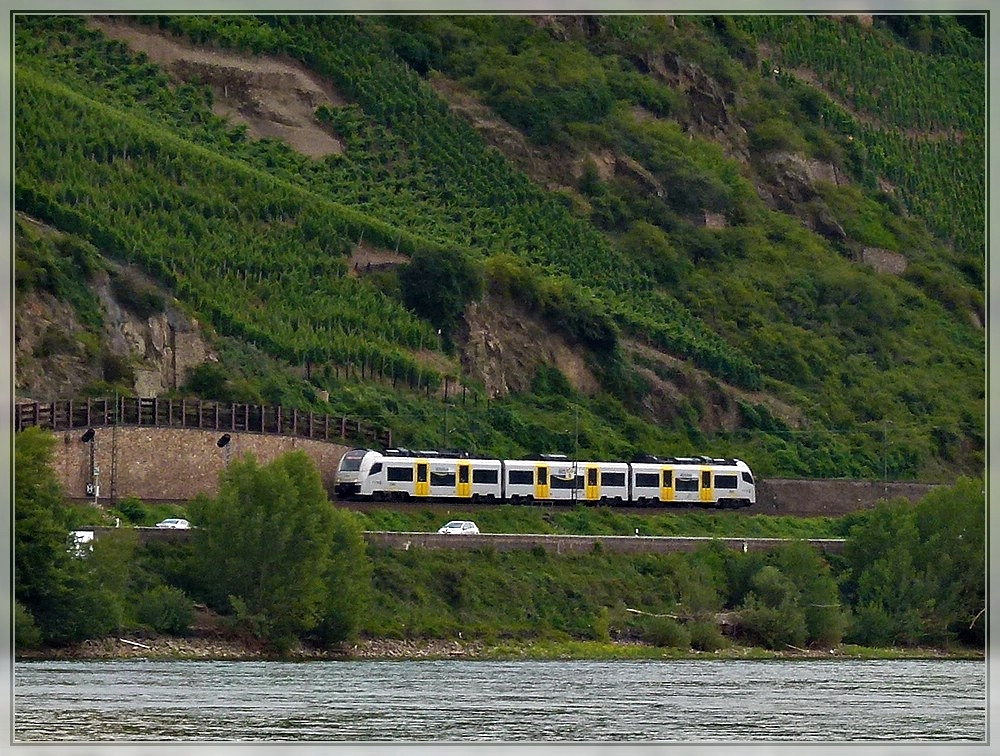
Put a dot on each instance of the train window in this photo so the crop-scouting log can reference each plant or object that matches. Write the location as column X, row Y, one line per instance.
column 687, row 484
column 668, row 478
column 613, row 479
column 399, row 473
column 558, row 482
column 376, row 469
column 543, row 476
column 463, row 474
column 442, row 478
column 422, row 472
column 748, row 478
column 484, row 476
column 521, row 477
column 592, row 476
column 706, row 479
column 646, row 480
column 352, row 460
column 725, row 481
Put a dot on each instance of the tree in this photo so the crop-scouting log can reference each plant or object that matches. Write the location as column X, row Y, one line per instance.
column 68, row 598
column 819, row 595
column 263, row 545
column 437, row 284
column 41, row 561
column 348, row 580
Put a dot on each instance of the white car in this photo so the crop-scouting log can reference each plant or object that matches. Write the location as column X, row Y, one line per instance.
column 174, row 522
column 461, row 527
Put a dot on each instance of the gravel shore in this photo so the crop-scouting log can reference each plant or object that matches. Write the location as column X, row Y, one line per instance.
column 216, row 649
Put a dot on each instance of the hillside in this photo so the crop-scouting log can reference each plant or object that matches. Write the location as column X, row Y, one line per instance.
column 519, row 234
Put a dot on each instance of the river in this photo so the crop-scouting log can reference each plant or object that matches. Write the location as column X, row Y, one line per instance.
column 696, row 701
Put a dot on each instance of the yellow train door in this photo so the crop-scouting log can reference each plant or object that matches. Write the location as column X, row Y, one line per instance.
column 542, row 482
column 463, row 485
column 592, row 484
column 421, row 479
column 667, row 484
column 706, row 490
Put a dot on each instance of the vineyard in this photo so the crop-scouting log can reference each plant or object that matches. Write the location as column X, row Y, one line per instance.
column 256, row 238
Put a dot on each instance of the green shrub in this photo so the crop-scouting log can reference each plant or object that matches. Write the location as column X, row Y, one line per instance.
column 55, row 341
column 26, row 632
column 133, row 510
column 166, row 610
column 772, row 628
column 777, row 134
column 706, row 636
column 135, row 295
column 667, row 633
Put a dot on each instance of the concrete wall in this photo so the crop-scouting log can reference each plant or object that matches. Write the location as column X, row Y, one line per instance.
column 172, row 463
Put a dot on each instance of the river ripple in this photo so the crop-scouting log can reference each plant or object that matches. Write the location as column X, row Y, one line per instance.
column 678, row 701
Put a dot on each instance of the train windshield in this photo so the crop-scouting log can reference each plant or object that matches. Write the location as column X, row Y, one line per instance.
column 352, row 460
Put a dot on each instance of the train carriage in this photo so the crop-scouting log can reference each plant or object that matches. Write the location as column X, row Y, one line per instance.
column 554, row 478
column 694, row 481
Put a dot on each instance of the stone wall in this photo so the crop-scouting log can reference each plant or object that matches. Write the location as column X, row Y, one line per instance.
column 157, row 464
column 830, row 498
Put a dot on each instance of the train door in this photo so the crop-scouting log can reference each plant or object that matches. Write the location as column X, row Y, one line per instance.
column 422, row 479
column 463, row 486
column 592, row 485
column 542, row 482
column 706, row 490
column 667, row 484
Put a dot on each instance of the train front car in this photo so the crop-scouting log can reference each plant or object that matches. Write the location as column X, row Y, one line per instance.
column 353, row 469
column 746, row 489
column 402, row 474
column 692, row 481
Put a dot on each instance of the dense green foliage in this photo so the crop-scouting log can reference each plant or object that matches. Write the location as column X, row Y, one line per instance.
column 263, row 550
column 909, row 575
column 885, row 371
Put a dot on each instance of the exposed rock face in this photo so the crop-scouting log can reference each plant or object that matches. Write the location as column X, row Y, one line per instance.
column 55, row 358
column 884, row 261
column 505, row 347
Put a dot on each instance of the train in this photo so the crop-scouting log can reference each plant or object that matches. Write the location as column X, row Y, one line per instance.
column 647, row 480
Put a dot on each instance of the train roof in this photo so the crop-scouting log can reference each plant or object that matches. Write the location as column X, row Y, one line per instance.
column 692, row 460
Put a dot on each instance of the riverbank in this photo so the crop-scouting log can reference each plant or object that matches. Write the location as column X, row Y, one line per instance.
column 207, row 649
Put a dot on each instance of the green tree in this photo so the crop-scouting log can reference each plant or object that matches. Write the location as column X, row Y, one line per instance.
column 263, row 544
column 42, row 563
column 348, row 580
column 771, row 615
column 818, row 592
column 438, row 283
column 952, row 555
column 916, row 574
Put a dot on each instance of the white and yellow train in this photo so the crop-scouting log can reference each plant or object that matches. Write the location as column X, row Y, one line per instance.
column 401, row 474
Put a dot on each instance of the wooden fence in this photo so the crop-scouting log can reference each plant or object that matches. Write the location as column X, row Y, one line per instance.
column 195, row 413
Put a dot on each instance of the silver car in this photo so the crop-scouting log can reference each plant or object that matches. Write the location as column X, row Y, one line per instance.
column 174, row 522
column 461, row 527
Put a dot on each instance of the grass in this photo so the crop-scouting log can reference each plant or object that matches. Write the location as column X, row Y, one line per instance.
column 606, row 521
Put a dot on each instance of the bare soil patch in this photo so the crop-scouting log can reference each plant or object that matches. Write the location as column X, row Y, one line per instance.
column 273, row 97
